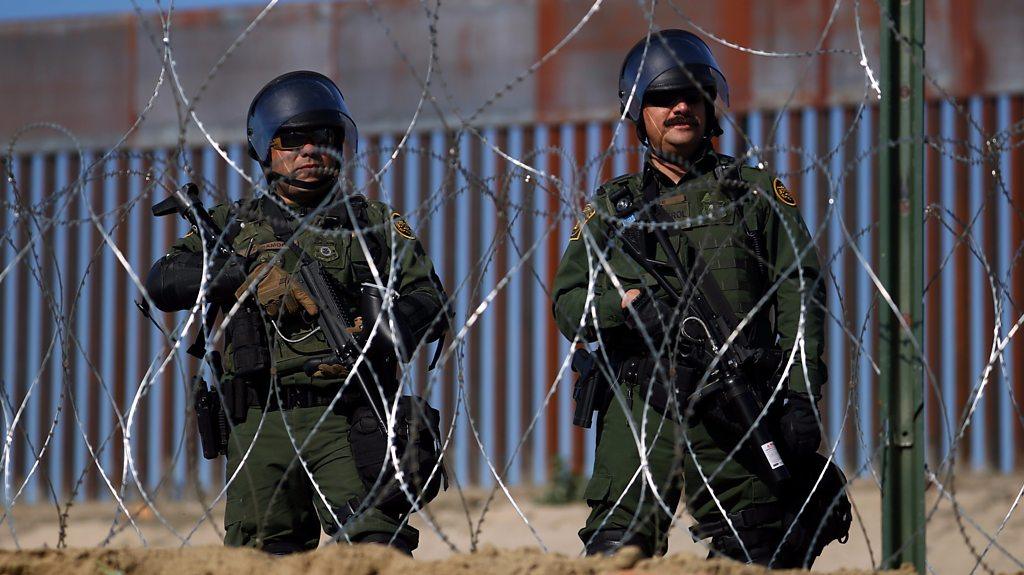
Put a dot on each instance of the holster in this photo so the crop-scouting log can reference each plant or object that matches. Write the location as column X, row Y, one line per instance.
column 250, row 354
column 590, row 392
column 210, row 419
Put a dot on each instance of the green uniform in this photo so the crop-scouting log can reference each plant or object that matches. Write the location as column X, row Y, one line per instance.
column 713, row 206
column 275, row 499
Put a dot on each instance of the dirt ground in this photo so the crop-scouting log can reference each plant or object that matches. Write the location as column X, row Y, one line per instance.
column 504, row 542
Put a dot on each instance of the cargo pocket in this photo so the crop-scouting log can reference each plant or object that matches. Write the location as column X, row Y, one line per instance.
column 597, row 489
column 235, row 532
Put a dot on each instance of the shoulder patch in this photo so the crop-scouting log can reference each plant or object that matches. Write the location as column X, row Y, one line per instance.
column 577, row 228
column 401, row 226
column 783, row 194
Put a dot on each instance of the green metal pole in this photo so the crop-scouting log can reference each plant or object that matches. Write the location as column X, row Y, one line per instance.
column 901, row 267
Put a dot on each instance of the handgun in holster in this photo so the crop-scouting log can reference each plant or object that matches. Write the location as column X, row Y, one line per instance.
column 210, row 418
column 589, row 391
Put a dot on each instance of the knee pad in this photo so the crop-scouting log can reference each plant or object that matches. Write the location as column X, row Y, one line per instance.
column 609, row 541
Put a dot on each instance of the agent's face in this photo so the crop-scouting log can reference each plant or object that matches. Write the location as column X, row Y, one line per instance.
column 304, row 155
column 675, row 122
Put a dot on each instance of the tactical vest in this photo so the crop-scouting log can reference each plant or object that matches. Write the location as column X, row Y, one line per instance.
column 715, row 213
column 331, row 239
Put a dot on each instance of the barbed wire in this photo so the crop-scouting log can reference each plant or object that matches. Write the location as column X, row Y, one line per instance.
column 526, row 199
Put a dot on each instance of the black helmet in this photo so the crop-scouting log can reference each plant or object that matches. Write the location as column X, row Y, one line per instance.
column 297, row 100
column 669, row 60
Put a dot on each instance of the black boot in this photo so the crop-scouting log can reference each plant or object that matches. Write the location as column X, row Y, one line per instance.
column 279, row 547
column 609, row 541
column 394, row 541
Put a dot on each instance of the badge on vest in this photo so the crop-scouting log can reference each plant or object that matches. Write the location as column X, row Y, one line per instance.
column 325, row 252
column 402, row 227
column 577, row 228
column 784, row 195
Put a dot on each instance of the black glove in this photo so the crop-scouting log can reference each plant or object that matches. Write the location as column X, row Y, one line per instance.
column 800, row 430
column 762, row 364
column 651, row 313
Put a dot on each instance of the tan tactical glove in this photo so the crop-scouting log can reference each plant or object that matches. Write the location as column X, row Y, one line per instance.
column 331, row 370
column 337, row 370
column 278, row 291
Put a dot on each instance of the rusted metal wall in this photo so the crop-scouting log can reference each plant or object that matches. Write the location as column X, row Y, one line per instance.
column 95, row 76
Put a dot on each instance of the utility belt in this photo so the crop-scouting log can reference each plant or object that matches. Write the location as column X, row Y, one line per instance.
column 287, row 389
column 289, row 397
column 665, row 385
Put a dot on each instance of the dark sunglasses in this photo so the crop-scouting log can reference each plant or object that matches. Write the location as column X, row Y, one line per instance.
column 669, row 98
column 295, row 139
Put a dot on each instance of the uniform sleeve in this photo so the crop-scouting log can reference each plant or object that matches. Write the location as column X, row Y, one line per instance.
column 794, row 262
column 572, row 282
column 421, row 296
column 173, row 280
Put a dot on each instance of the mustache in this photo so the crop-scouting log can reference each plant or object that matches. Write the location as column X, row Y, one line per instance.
column 680, row 120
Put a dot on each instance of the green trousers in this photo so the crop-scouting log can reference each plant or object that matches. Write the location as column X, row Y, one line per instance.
column 277, row 501
column 643, row 505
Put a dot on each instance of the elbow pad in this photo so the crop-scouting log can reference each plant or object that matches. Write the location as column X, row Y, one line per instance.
column 173, row 281
column 423, row 316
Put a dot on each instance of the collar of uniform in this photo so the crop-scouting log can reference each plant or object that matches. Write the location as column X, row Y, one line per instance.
column 331, row 216
column 705, row 164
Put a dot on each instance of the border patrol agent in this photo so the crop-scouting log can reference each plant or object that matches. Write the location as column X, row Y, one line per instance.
column 746, row 225
column 298, row 125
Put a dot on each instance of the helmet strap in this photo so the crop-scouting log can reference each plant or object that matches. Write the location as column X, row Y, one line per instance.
column 641, row 133
column 323, row 185
column 686, row 164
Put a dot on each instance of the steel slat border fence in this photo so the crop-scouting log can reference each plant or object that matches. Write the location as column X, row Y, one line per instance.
column 477, row 223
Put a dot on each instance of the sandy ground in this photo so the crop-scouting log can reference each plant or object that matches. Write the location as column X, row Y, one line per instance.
column 503, row 541
column 362, row 560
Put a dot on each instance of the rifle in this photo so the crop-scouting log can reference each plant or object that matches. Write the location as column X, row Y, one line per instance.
column 211, row 412
column 729, row 387
column 333, row 320
column 185, row 202
column 418, row 448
